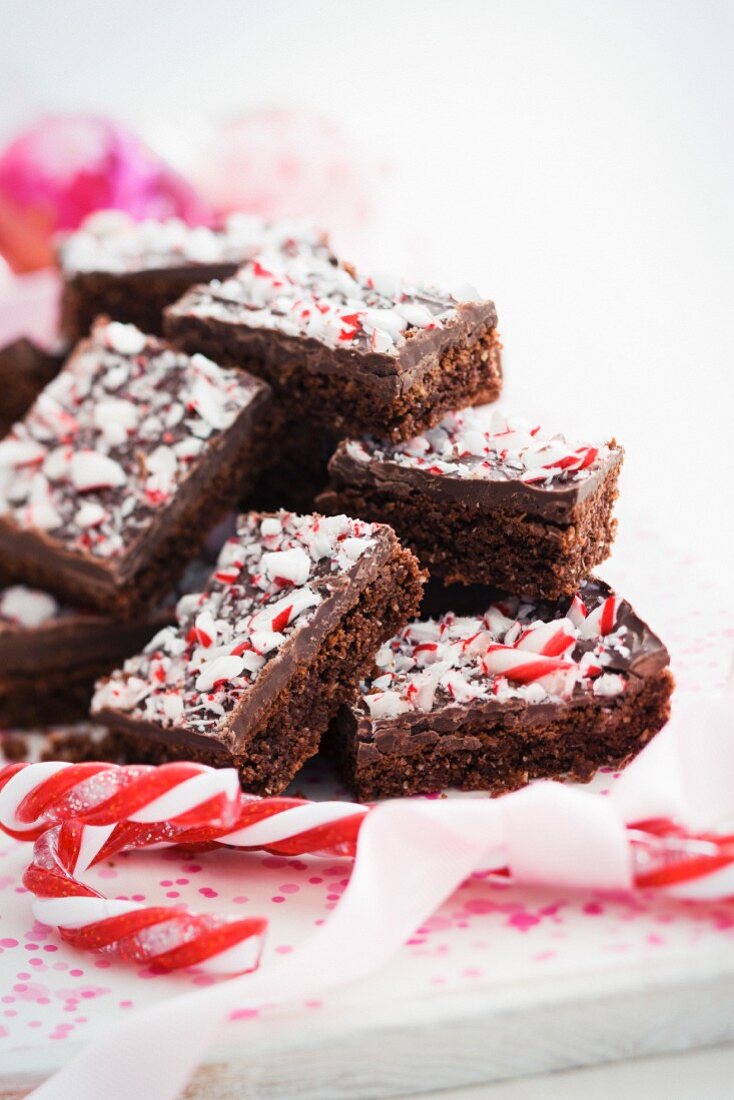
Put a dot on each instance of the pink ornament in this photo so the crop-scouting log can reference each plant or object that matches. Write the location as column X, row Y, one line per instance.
column 64, row 168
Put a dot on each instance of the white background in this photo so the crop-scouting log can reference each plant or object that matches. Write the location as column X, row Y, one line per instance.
column 573, row 160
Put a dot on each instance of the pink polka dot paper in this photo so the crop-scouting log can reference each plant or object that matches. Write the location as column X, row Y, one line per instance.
column 486, row 934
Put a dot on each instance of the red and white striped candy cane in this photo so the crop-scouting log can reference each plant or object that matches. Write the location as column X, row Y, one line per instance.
column 178, row 803
column 165, row 937
column 123, row 807
column 681, row 864
column 79, row 814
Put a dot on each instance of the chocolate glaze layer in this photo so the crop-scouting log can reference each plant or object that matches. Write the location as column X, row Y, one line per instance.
column 180, row 276
column 648, row 656
column 555, row 503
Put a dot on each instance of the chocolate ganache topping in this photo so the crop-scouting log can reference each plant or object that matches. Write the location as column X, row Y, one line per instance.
column 482, row 457
column 538, row 656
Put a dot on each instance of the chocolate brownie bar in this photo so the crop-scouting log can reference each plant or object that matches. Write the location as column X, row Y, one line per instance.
column 25, row 369
column 51, row 655
column 259, row 663
column 352, row 353
column 487, row 499
column 490, row 701
column 131, row 270
column 125, row 461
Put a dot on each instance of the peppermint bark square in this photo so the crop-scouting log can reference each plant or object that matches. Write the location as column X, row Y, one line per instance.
column 132, row 270
column 352, row 353
column 487, row 499
column 259, row 663
column 521, row 691
column 126, row 460
column 52, row 654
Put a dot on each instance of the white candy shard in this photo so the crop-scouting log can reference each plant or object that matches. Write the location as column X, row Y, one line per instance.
column 26, row 606
column 20, row 452
column 90, row 514
column 291, row 565
column 221, row 669
column 125, row 339
column 92, row 470
column 386, row 704
column 608, row 684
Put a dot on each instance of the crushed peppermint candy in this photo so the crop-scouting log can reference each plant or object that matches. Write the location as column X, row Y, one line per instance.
column 268, row 584
column 484, row 443
column 303, row 290
column 536, row 653
column 114, row 242
column 109, row 441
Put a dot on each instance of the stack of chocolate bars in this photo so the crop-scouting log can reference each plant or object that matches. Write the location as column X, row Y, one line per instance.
column 267, row 505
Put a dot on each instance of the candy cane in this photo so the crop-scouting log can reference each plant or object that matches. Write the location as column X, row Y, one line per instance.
column 178, row 803
column 697, row 867
column 115, row 808
column 162, row 936
column 80, row 814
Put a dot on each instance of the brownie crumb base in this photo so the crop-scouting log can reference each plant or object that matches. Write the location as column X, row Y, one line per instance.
column 510, row 551
column 292, row 730
column 13, row 747
column 468, row 373
column 83, row 745
column 507, row 752
column 77, row 744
